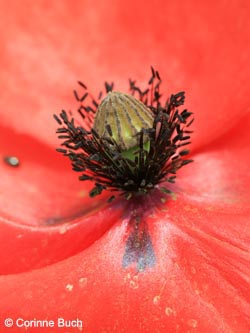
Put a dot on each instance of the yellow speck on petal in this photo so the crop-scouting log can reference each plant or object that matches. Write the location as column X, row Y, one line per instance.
column 170, row 312
column 82, row 282
column 69, row 287
column 63, row 229
column 192, row 323
column 134, row 284
column 156, row 299
column 173, row 196
column 132, row 280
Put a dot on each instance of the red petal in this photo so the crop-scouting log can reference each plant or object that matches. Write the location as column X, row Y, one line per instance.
column 201, row 278
column 202, row 48
column 200, row 281
column 200, row 238
column 42, row 205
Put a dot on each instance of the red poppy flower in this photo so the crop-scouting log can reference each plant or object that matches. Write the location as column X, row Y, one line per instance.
column 62, row 252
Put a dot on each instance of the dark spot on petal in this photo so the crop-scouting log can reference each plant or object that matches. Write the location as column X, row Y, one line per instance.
column 12, row 161
column 139, row 248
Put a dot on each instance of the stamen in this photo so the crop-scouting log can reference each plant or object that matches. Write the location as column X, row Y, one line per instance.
column 158, row 128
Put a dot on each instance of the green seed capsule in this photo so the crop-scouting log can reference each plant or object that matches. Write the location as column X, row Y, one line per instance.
column 126, row 117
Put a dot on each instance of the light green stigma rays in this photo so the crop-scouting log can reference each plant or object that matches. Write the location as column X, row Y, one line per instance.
column 133, row 152
column 126, row 117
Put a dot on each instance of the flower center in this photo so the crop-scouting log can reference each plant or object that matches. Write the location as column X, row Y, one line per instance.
column 128, row 144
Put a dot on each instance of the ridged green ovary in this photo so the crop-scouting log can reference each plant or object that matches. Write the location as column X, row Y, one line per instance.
column 126, row 117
